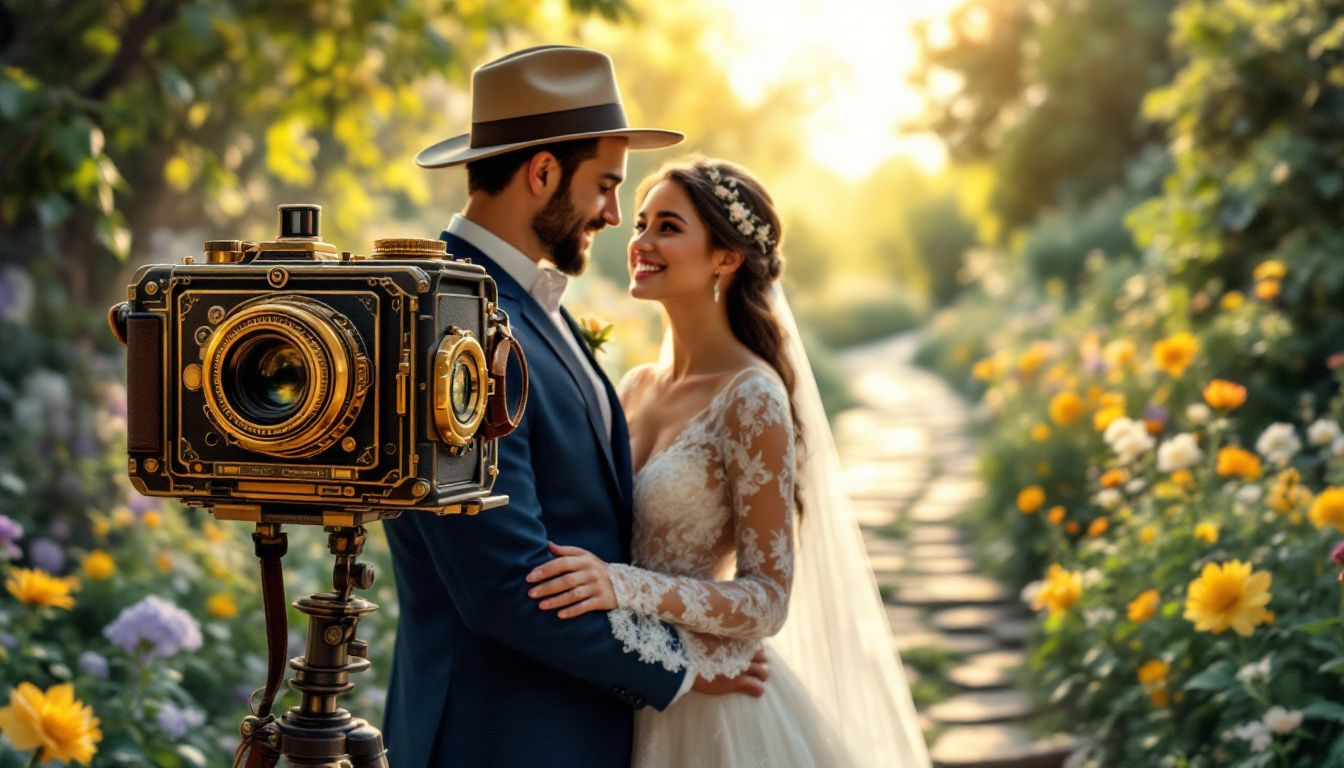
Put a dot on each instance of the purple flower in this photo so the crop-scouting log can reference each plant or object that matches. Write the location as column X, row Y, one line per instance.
column 93, row 664
column 10, row 529
column 141, row 504
column 154, row 629
column 1157, row 413
column 47, row 555
column 59, row 530
column 8, row 641
column 176, row 721
column 1337, row 554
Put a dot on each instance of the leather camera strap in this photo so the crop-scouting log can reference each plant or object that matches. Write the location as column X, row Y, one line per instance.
column 270, row 547
column 498, row 421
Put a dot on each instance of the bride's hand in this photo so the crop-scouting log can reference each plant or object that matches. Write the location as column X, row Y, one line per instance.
column 575, row 581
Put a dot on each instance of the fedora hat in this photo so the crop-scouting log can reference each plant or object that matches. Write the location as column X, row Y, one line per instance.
column 537, row 96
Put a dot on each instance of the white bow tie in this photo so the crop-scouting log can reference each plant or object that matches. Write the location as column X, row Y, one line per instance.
column 549, row 289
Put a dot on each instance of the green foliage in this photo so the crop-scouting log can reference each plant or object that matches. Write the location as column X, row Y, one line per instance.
column 1048, row 92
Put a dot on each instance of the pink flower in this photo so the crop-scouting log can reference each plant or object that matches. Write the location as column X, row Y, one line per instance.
column 1337, row 554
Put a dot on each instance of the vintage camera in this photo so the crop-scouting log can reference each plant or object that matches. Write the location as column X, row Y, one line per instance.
column 286, row 381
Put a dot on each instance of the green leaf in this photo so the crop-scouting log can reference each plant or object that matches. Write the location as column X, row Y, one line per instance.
column 1334, row 665
column 1218, row 677
column 1318, row 627
column 1325, row 710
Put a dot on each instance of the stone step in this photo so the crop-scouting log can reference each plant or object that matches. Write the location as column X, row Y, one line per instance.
column 998, row 746
column 972, row 619
column 1013, row 633
column 935, row 534
column 983, row 707
column 936, row 592
column 927, row 512
column 973, row 677
column 887, row 562
column 919, row 637
column 917, row 552
column 954, row 566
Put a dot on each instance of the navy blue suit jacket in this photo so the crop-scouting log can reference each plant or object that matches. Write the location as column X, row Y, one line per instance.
column 480, row 675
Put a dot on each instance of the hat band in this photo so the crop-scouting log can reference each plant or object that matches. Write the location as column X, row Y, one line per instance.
column 515, row 130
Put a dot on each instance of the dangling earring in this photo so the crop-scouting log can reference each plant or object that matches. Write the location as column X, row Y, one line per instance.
column 716, row 287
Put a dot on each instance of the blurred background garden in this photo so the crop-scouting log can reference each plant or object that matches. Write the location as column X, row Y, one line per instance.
column 1117, row 227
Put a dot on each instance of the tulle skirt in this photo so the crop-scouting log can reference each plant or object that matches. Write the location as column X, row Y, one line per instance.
column 782, row 729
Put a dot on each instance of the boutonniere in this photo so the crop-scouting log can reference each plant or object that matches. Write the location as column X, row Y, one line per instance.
column 595, row 332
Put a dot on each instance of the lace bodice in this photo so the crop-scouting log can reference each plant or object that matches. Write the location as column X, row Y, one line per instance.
column 713, row 533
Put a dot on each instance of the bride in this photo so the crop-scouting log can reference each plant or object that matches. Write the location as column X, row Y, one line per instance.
column 737, row 474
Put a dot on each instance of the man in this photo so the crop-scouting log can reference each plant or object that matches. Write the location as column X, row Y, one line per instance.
column 480, row 675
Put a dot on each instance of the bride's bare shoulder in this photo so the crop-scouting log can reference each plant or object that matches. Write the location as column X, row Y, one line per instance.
column 635, row 380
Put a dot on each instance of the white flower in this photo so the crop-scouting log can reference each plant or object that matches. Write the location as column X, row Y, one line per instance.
column 1280, row 720
column 1249, row 494
column 1278, row 443
column 1135, row 486
column 1030, row 591
column 1257, row 733
column 1096, row 617
column 1337, row 447
column 738, row 212
column 1109, row 498
column 721, row 191
column 1129, row 439
column 1255, row 672
column 1180, row 452
column 1198, row 413
column 1323, row 432
column 713, row 174
column 746, row 228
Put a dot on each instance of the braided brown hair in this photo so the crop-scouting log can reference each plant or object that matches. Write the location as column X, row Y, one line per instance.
column 747, row 294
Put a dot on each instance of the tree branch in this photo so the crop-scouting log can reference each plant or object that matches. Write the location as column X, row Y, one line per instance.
column 131, row 53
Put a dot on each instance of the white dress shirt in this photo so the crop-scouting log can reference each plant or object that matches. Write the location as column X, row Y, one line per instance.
column 547, row 286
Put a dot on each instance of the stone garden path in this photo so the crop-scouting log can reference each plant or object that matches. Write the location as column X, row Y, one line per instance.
column 909, row 461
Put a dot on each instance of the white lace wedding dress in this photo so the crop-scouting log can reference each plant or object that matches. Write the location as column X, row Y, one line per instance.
column 713, row 550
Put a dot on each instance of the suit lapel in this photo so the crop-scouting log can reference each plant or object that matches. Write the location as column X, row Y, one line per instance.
column 619, row 448
column 540, row 323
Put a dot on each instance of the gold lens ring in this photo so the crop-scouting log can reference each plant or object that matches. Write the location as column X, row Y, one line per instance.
column 459, row 351
column 330, row 353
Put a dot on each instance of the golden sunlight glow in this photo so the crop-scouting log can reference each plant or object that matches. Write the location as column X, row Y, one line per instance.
column 856, row 54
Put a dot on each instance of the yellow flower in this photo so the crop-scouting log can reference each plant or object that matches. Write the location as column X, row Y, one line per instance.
column 1267, row 290
column 221, row 606
column 1287, row 495
column 213, row 532
column 122, row 516
column 1207, row 532
column 216, row 569
column 1061, row 590
column 1270, row 270
column 1236, row 462
column 1098, row 527
column 1040, row 433
column 1065, row 408
column 1030, row 499
column 1232, row 301
column 1056, row 515
column 99, row 565
column 983, row 369
column 1072, row 527
column 1224, row 395
column 1175, row 353
column 1144, row 607
column 1183, row 477
column 1228, row 595
column 1033, row 358
column 1147, row 534
column 34, row 587
column 1160, row 698
column 1120, row 352
column 152, row 520
column 1328, row 509
column 1113, row 478
column 1154, row 673
column 101, row 527
column 1103, row 418
column 61, row 725
column 164, row 561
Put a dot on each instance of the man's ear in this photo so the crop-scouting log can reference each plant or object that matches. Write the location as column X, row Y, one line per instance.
column 726, row 261
column 543, row 174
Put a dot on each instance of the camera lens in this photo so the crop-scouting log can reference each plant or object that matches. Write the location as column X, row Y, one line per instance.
column 463, row 390
column 270, row 378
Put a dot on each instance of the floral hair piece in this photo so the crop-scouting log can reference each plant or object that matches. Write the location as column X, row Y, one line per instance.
column 747, row 222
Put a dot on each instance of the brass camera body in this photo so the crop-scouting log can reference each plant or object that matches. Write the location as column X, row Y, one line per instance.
column 286, row 381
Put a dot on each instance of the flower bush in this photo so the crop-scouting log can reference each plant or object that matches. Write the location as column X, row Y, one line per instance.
column 1189, row 608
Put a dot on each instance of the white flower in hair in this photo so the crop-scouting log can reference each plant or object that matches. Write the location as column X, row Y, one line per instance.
column 722, row 192
column 713, row 174
column 738, row 212
column 746, row 228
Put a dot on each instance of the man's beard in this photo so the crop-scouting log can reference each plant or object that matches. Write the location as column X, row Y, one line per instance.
column 560, row 228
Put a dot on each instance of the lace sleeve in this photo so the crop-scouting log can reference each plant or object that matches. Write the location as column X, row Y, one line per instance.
column 757, row 467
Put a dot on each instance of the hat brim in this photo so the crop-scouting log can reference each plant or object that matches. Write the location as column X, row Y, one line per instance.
column 458, row 150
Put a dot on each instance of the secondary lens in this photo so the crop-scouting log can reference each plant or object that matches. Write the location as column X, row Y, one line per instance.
column 270, row 378
column 464, row 388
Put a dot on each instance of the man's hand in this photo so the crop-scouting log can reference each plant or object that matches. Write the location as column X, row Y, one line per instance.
column 751, row 682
